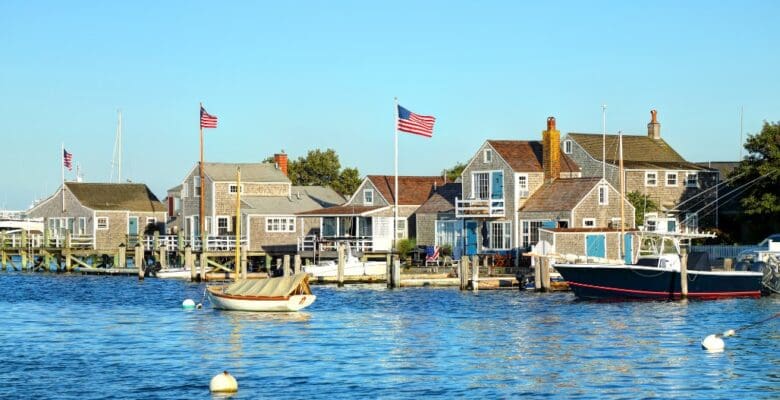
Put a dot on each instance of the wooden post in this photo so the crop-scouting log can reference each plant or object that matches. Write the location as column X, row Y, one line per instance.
column 243, row 262
column 68, row 260
column 23, row 250
column 545, row 261
column 162, row 255
column 463, row 272
column 204, row 263
column 396, row 271
column 189, row 262
column 3, row 256
column 341, row 262
column 286, row 265
column 475, row 274
column 121, row 257
column 728, row 264
column 138, row 259
column 297, row 263
column 684, row 275
column 389, row 270
column 537, row 274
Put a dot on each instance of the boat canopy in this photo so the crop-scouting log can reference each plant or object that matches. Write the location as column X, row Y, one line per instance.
column 272, row 287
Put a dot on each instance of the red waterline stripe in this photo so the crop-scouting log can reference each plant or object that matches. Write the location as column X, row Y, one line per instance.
column 656, row 293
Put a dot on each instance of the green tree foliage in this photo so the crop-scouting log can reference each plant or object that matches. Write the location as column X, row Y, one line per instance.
column 762, row 168
column 454, row 172
column 404, row 247
column 324, row 169
column 642, row 204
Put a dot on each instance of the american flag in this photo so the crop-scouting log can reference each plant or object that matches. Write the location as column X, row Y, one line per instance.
column 410, row 122
column 67, row 160
column 207, row 120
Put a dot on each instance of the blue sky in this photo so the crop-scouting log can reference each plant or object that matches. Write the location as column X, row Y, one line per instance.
column 303, row 75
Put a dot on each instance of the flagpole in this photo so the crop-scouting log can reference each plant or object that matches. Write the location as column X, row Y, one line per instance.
column 395, row 185
column 62, row 168
column 202, row 219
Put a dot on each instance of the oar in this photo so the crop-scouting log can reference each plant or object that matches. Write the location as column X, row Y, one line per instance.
column 716, row 343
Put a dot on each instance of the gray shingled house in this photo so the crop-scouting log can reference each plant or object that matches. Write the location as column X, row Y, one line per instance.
column 437, row 224
column 108, row 212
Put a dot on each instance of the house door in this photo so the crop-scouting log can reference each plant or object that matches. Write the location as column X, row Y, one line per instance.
column 497, row 190
column 132, row 226
column 595, row 246
column 628, row 251
column 471, row 238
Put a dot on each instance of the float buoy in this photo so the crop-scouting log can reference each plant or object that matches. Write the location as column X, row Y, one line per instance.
column 223, row 383
column 188, row 304
column 713, row 343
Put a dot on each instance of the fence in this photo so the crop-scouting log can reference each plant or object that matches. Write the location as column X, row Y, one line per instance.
column 721, row 251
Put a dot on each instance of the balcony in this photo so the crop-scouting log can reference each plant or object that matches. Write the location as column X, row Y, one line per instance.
column 313, row 243
column 488, row 208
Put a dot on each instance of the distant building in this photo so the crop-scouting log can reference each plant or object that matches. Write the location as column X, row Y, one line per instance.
column 108, row 212
column 683, row 190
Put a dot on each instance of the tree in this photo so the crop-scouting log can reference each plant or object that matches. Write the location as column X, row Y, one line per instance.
column 322, row 168
column 642, row 204
column 454, row 172
column 760, row 172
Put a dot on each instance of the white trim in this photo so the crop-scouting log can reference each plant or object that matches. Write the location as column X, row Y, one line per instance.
column 283, row 223
column 196, row 193
column 687, row 183
column 487, row 155
column 606, row 194
column 676, row 178
column 495, row 154
column 568, row 143
column 232, row 185
column 365, row 201
column 504, row 232
column 490, row 183
column 647, row 175
column 584, row 220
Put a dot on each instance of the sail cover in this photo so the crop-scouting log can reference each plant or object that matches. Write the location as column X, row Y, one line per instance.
column 271, row 287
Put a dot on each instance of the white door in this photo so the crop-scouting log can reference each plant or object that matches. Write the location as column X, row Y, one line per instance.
column 382, row 233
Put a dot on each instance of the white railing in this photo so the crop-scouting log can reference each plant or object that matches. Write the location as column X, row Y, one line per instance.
column 479, row 208
column 312, row 243
column 37, row 240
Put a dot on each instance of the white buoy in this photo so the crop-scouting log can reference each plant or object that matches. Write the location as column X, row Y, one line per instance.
column 223, row 383
column 188, row 304
column 729, row 332
column 713, row 343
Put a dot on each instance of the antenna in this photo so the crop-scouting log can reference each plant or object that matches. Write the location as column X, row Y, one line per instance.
column 116, row 158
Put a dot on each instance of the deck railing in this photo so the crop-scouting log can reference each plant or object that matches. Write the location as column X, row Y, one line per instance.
column 329, row 243
column 486, row 208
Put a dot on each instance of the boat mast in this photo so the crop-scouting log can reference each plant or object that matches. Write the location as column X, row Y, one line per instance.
column 622, row 194
column 603, row 141
column 238, row 225
column 116, row 159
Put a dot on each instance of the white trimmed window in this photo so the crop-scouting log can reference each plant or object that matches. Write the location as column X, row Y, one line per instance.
column 280, row 224
column 196, row 186
column 102, row 223
column 567, row 146
column 487, row 156
column 368, row 197
column 589, row 222
column 522, row 185
column 82, row 225
column 671, row 178
column 603, row 195
column 223, row 225
column 184, row 191
column 481, row 185
column 691, row 221
column 233, row 188
column 651, row 178
column 401, row 232
column 500, row 235
column 651, row 222
column 692, row 179
column 615, row 222
column 151, row 221
column 530, row 232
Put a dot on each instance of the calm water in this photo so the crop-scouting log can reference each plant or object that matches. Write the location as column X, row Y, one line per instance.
column 65, row 336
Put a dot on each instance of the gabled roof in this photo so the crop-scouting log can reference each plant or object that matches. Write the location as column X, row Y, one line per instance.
column 341, row 210
column 560, row 194
column 442, row 200
column 115, row 196
column 526, row 155
column 250, row 172
column 412, row 190
column 639, row 151
column 303, row 198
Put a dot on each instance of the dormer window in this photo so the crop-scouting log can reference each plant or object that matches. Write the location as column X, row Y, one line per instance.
column 368, row 197
column 567, row 146
column 603, row 195
column 196, row 186
column 233, row 188
column 692, row 179
column 487, row 156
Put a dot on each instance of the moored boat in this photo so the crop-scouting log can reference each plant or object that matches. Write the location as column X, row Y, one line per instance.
column 657, row 274
column 281, row 294
column 352, row 267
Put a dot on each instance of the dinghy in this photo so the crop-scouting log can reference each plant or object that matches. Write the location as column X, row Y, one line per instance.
column 281, row 294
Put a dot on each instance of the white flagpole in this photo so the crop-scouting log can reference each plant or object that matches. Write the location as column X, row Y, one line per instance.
column 395, row 188
column 62, row 168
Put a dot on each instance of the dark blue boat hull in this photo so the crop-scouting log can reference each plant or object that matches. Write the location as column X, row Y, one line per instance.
column 630, row 282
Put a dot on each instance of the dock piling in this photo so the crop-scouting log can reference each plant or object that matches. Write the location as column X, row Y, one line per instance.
column 463, row 272
column 121, row 257
column 388, row 269
column 243, row 262
column 297, row 264
column 684, row 275
column 545, row 269
column 475, row 274
column 341, row 263
column 138, row 259
column 286, row 265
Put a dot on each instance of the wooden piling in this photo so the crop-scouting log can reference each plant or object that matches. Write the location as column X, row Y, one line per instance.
column 341, row 262
column 396, row 271
column 121, row 257
column 243, row 262
column 728, row 264
column 204, row 264
column 475, row 274
column 545, row 269
column 286, row 265
column 389, row 270
column 189, row 262
column 463, row 272
column 3, row 255
column 23, row 250
column 138, row 259
column 538, row 274
column 297, row 264
column 684, row 275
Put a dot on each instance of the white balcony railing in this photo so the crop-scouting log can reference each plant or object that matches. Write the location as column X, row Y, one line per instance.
column 486, row 208
column 313, row 242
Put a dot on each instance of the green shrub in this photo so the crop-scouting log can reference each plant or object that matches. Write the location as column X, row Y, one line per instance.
column 445, row 250
column 404, row 246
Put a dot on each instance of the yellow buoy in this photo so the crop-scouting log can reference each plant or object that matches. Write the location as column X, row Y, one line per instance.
column 223, row 383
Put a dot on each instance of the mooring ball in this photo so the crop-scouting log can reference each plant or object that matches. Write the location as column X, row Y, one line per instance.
column 223, row 383
column 713, row 343
column 189, row 303
column 729, row 332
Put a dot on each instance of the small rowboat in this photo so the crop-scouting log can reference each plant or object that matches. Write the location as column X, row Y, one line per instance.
column 281, row 294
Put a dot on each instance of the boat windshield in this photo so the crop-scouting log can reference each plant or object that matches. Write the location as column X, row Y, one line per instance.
column 658, row 245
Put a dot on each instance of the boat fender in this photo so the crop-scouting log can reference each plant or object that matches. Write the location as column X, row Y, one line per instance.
column 188, row 304
column 713, row 343
column 223, row 383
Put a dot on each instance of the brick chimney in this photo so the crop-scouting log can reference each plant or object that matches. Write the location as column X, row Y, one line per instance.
column 281, row 162
column 654, row 127
column 551, row 151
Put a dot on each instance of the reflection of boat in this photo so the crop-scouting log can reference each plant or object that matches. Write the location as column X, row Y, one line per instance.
column 656, row 275
column 284, row 293
column 352, row 267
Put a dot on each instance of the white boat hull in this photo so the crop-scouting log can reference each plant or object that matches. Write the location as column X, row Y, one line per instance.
column 371, row 268
column 174, row 273
column 237, row 303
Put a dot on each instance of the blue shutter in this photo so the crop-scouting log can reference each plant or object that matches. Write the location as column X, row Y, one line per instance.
column 498, row 185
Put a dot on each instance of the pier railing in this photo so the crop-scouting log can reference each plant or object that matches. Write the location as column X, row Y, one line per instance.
column 319, row 244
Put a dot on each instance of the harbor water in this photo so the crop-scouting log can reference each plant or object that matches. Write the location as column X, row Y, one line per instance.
column 80, row 337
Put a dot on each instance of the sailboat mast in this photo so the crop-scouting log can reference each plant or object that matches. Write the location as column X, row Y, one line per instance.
column 603, row 141
column 116, row 158
column 622, row 194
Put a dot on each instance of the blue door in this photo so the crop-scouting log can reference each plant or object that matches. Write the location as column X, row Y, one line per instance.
column 595, row 246
column 132, row 226
column 497, row 192
column 628, row 251
column 471, row 238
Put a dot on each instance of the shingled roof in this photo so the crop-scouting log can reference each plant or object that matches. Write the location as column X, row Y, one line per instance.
column 639, row 151
column 442, row 200
column 526, row 155
column 560, row 194
column 413, row 190
column 116, row 196
column 340, row 210
column 250, row 172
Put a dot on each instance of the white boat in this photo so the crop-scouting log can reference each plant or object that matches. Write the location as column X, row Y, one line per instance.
column 352, row 267
column 176, row 273
column 281, row 294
